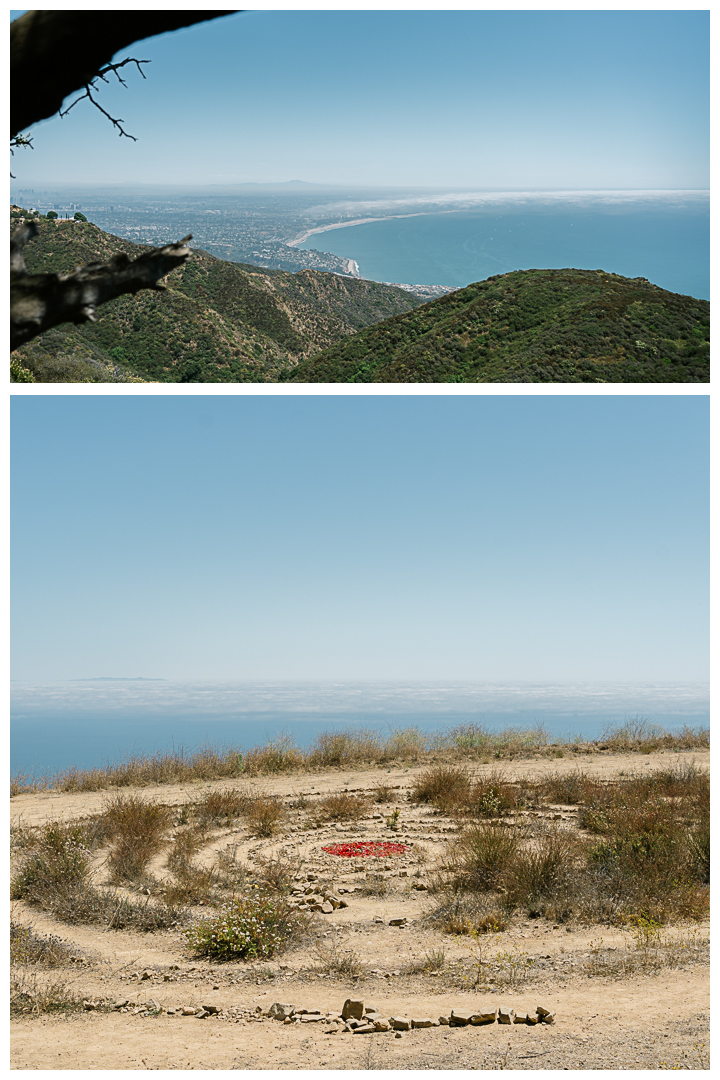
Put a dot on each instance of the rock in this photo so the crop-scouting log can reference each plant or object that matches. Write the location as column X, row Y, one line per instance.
column 381, row 1024
column 398, row 1035
column 334, row 900
column 420, row 886
column 489, row 1016
column 520, row 1018
column 331, row 1029
column 171, row 1011
column 210, row 1009
column 353, row 1010
column 201, row 1014
column 444, row 1020
column 120, row 1003
column 398, row 922
column 146, row 974
column 460, row 1019
column 423, row 1022
column 363, row 1029
column 400, row 1023
column 327, row 908
column 505, row 1016
column 342, row 903
column 89, row 1005
column 542, row 1012
column 548, row 1018
column 311, row 1017
column 187, row 1010
column 281, row 1011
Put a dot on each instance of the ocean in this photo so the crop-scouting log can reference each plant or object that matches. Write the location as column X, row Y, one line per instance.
column 96, row 722
column 668, row 245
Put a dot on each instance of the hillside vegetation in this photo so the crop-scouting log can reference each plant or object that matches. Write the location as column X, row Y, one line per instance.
column 217, row 322
column 531, row 326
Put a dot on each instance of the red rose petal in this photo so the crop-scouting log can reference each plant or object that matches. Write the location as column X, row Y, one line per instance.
column 379, row 849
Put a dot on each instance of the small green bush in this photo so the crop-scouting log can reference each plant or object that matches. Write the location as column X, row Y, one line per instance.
column 253, row 926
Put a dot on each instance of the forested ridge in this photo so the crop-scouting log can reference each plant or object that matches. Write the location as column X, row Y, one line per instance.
column 531, row 326
column 216, row 321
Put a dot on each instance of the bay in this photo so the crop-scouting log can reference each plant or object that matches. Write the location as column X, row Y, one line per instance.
column 668, row 245
column 93, row 723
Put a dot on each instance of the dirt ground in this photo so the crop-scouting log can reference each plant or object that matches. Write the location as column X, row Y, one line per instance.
column 631, row 1018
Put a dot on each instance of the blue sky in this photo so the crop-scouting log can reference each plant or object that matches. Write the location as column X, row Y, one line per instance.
column 360, row 537
column 474, row 99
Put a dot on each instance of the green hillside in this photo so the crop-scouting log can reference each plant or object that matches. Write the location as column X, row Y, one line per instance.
column 531, row 326
column 217, row 322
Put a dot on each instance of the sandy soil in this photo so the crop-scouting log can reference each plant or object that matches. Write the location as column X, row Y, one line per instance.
column 643, row 1020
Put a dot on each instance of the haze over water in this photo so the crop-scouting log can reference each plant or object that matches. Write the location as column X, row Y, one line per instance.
column 88, row 723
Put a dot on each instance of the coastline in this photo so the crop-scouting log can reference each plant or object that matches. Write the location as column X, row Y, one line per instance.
column 346, row 225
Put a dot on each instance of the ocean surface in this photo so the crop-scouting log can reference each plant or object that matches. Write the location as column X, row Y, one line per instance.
column 89, row 723
column 668, row 245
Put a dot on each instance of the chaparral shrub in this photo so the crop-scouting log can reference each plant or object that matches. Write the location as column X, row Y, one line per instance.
column 253, row 926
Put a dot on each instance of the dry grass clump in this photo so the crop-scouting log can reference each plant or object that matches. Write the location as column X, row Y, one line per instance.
column 348, row 747
column 278, row 873
column 262, row 814
column 220, row 807
column 165, row 767
column 54, row 876
column 27, row 947
column 278, row 756
column 33, row 995
column 569, row 788
column 382, row 793
column 476, row 739
column 441, row 785
column 468, row 913
column 638, row 733
column 330, row 960
column 647, row 855
column 341, row 806
column 137, row 830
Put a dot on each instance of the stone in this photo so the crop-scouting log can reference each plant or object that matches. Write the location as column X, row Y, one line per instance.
column 331, row 1029
column 211, row 1009
column 287, row 1020
column 353, row 1010
column 505, row 1016
column 398, row 922
column 520, row 1018
column 188, row 1010
column 201, row 1014
column 120, row 1003
column 312, row 1017
column 542, row 1011
column 398, row 1034
column 423, row 1022
column 327, row 908
column 381, row 1024
column 342, row 903
column 400, row 1023
column 488, row 1016
column 334, row 900
column 548, row 1018
column 281, row 1011
column 460, row 1019
column 445, row 1020
column 420, row 886
column 363, row 1029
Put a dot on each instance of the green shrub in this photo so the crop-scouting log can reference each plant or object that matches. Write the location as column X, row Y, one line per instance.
column 253, row 926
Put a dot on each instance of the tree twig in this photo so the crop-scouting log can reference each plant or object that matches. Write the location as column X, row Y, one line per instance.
column 91, row 85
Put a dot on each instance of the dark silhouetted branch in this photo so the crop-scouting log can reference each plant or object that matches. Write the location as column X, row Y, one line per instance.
column 40, row 301
column 56, row 53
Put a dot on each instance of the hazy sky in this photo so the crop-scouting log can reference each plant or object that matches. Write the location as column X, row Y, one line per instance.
column 360, row 537
column 509, row 99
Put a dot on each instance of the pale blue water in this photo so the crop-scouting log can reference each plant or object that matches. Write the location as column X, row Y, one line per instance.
column 56, row 725
column 670, row 246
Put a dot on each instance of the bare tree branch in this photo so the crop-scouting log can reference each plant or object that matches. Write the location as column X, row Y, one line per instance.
column 39, row 301
column 56, row 53
column 91, row 86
